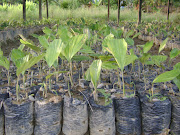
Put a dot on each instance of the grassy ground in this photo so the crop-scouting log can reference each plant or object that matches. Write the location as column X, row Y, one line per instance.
column 15, row 13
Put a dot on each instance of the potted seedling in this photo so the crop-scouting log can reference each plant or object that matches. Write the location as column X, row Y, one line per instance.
column 101, row 119
column 118, row 48
column 20, row 107
column 48, row 106
column 173, row 75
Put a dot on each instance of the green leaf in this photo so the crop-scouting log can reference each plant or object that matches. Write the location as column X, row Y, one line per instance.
column 136, row 35
column 174, row 53
column 33, row 47
column 29, row 64
column 95, row 70
column 130, row 59
column 86, row 49
column 21, row 47
column 177, row 66
column 80, row 58
column 105, row 41
column 51, row 74
column 118, row 48
column 43, row 41
column 4, row 62
column 105, row 57
column 129, row 33
column 87, row 75
column 158, row 59
column 129, row 41
column 64, row 34
column 47, row 31
column 147, row 46
column 163, row 44
column 109, row 65
column 144, row 58
column 73, row 46
column 53, row 51
column 167, row 76
column 177, row 81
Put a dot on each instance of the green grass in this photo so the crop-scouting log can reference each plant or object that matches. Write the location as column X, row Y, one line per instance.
column 14, row 12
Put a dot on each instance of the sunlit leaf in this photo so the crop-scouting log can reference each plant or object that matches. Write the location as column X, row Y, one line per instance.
column 177, row 81
column 43, row 41
column 105, row 41
column 130, row 59
column 29, row 64
column 80, row 58
column 129, row 41
column 174, row 53
column 51, row 74
column 4, row 62
column 53, row 51
column 177, row 66
column 163, row 44
column 118, row 48
column 167, row 76
column 28, row 44
column 73, row 46
column 109, row 65
column 87, row 75
column 86, row 49
column 147, row 46
column 95, row 70
column 136, row 35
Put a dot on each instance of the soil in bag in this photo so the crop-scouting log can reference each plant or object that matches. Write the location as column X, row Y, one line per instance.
column 128, row 116
column 18, row 117
column 156, row 116
column 101, row 118
column 175, row 120
column 75, row 115
column 48, row 114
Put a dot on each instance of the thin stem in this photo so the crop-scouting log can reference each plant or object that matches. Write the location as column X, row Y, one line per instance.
column 49, row 80
column 17, row 89
column 123, row 84
column 144, row 77
column 70, row 75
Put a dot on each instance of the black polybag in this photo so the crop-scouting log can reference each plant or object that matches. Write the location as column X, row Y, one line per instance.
column 128, row 115
column 18, row 117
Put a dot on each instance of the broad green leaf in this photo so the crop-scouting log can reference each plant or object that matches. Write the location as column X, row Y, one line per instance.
column 73, row 46
column 109, row 65
column 158, row 59
column 136, row 35
column 29, row 64
column 118, row 48
column 28, row 44
column 177, row 66
column 51, row 74
column 80, row 58
column 43, row 41
column 129, row 33
column 64, row 34
column 95, row 70
column 87, row 75
column 129, row 41
column 177, row 81
column 105, row 57
column 105, row 41
column 53, row 51
column 130, row 59
column 174, row 53
column 47, row 31
column 147, row 46
column 86, row 49
column 163, row 44
column 117, row 33
column 4, row 62
column 167, row 76
column 144, row 58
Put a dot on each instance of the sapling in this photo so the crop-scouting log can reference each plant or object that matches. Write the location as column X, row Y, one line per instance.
column 118, row 48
